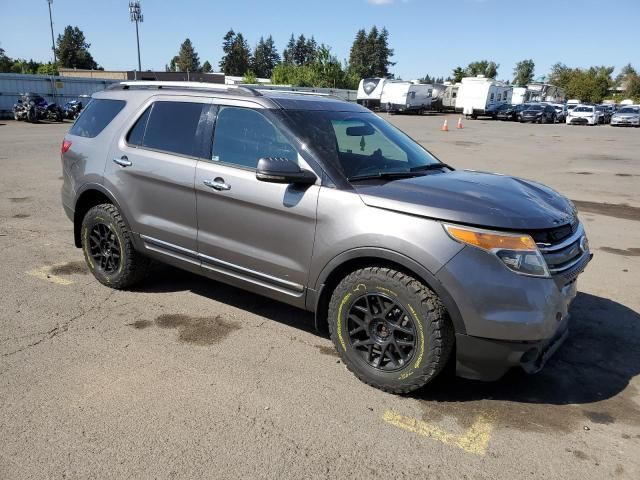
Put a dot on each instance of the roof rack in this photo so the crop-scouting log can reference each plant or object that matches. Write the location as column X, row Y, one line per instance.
column 300, row 92
column 143, row 84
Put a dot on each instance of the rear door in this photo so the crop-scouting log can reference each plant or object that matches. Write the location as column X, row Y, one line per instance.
column 253, row 234
column 152, row 169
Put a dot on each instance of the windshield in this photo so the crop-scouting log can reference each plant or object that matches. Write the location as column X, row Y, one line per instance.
column 535, row 108
column 583, row 109
column 505, row 106
column 629, row 110
column 358, row 143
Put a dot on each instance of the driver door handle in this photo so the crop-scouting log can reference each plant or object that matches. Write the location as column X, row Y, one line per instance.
column 122, row 161
column 217, row 184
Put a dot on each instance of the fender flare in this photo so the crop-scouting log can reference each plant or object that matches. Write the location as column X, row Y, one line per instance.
column 422, row 273
column 102, row 189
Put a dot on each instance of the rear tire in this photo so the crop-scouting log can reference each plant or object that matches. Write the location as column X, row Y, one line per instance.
column 390, row 330
column 108, row 248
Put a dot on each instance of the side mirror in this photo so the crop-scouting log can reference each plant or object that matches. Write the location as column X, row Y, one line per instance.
column 283, row 170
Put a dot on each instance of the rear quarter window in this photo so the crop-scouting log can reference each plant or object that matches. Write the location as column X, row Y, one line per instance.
column 96, row 116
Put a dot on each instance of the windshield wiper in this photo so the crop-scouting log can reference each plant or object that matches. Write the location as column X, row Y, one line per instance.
column 430, row 166
column 385, row 175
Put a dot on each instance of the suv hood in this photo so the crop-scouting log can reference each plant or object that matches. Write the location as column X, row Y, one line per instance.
column 473, row 198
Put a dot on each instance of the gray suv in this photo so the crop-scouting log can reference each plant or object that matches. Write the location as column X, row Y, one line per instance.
column 319, row 203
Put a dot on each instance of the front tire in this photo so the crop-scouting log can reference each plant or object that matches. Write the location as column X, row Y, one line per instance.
column 108, row 248
column 390, row 330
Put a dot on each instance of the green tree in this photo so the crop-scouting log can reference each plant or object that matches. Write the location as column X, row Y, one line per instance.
column 236, row 60
column 523, row 72
column 287, row 54
column 250, row 78
column 206, row 67
column 357, row 57
column 72, row 50
column 47, row 69
column 265, row 57
column 187, row 59
column 482, row 67
column 370, row 54
column 458, row 74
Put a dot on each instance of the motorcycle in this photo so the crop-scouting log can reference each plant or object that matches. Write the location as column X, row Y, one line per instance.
column 72, row 109
column 32, row 108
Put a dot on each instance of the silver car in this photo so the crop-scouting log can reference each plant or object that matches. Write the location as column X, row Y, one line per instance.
column 408, row 262
column 627, row 116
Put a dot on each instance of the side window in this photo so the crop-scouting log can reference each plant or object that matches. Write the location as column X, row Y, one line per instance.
column 96, row 116
column 135, row 135
column 243, row 136
column 454, row 94
column 172, row 127
column 492, row 96
column 499, row 97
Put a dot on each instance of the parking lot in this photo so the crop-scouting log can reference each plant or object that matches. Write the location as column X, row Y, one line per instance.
column 187, row 378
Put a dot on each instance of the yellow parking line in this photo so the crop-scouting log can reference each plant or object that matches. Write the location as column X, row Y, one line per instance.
column 43, row 273
column 475, row 440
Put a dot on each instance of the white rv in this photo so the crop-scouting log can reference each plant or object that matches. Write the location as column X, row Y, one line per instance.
column 520, row 95
column 479, row 96
column 370, row 91
column 437, row 97
column 450, row 96
column 406, row 97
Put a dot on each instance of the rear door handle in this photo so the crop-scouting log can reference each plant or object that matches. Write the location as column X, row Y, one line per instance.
column 217, row 184
column 122, row 161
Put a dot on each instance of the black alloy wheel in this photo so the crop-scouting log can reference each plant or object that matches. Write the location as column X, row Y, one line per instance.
column 381, row 331
column 104, row 248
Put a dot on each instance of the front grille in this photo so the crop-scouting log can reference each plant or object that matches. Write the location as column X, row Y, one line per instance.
column 567, row 256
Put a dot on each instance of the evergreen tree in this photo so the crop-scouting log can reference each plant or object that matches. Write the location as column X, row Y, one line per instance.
column 72, row 50
column 187, row 59
column 382, row 54
column 265, row 58
column 357, row 56
column 287, row 54
column 458, row 74
column 236, row 60
column 206, row 67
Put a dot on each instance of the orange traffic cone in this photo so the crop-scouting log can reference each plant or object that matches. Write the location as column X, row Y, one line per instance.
column 445, row 126
column 459, row 125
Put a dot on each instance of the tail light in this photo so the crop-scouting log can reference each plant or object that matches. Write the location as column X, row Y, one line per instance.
column 64, row 148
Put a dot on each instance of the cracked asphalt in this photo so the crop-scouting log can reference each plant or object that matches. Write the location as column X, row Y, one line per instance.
column 188, row 378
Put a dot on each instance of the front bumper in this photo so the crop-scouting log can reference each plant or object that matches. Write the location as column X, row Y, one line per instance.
column 581, row 121
column 627, row 122
column 509, row 319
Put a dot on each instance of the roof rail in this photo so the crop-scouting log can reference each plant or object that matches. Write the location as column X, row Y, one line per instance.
column 301, row 92
column 150, row 84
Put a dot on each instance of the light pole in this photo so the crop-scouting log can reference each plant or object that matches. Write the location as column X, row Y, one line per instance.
column 135, row 12
column 53, row 43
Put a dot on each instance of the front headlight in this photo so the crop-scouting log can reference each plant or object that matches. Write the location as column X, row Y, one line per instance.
column 518, row 252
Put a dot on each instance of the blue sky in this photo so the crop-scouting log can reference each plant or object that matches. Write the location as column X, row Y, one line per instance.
column 428, row 36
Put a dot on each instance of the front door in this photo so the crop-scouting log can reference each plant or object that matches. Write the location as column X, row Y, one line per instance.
column 254, row 234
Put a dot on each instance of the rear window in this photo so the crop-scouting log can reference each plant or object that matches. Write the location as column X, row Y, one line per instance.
column 170, row 127
column 96, row 116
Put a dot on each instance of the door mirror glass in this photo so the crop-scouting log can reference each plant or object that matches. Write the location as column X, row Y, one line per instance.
column 283, row 170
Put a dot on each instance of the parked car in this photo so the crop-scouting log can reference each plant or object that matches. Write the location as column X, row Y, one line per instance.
column 605, row 115
column 509, row 112
column 561, row 111
column 322, row 204
column 626, row 116
column 538, row 113
column 584, row 115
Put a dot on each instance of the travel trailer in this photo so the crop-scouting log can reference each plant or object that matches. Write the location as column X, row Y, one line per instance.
column 545, row 92
column 481, row 96
column 520, row 95
column 437, row 97
column 449, row 98
column 406, row 97
column 370, row 91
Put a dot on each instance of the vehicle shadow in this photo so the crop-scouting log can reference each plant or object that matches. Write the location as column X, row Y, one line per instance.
column 168, row 279
column 597, row 362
